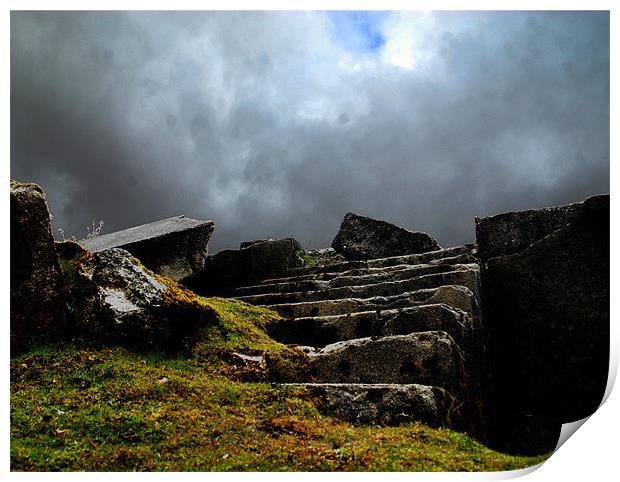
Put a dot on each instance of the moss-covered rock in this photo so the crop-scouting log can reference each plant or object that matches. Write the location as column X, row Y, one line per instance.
column 116, row 300
column 37, row 294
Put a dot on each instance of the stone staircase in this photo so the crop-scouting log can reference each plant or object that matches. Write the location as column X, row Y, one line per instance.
column 389, row 340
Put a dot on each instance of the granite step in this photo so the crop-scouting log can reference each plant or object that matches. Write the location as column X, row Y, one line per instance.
column 428, row 358
column 327, row 276
column 454, row 295
column 379, row 276
column 381, row 403
column 464, row 275
column 410, row 259
column 320, row 331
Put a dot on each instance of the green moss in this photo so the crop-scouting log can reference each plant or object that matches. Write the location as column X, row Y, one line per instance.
column 305, row 258
column 113, row 410
column 32, row 185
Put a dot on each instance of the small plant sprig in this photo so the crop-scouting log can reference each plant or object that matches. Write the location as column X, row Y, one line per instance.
column 64, row 238
column 94, row 231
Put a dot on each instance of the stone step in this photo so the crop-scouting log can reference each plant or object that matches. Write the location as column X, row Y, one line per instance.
column 381, row 403
column 324, row 330
column 336, row 274
column 464, row 275
column 454, row 295
column 429, row 358
column 422, row 258
column 379, row 276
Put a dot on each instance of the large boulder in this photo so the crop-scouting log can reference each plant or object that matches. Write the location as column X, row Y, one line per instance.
column 232, row 268
column 360, row 237
column 547, row 311
column 116, row 300
column 510, row 233
column 37, row 290
column 175, row 247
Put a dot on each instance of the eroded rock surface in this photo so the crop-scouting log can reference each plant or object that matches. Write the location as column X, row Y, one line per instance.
column 37, row 288
column 360, row 237
column 429, row 358
column 231, row 268
column 548, row 307
column 119, row 302
column 512, row 232
column 383, row 404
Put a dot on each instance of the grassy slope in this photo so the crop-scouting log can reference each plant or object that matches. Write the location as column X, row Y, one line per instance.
column 110, row 409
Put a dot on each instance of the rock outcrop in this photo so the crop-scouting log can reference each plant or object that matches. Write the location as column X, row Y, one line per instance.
column 360, row 237
column 512, row 232
column 37, row 290
column 257, row 260
column 119, row 302
column 547, row 309
column 175, row 247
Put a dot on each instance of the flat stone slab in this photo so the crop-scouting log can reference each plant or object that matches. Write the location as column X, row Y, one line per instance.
column 175, row 247
column 324, row 330
column 382, row 404
column 429, row 358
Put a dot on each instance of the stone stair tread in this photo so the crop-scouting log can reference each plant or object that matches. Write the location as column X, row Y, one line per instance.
column 389, row 261
column 324, row 330
column 453, row 295
column 466, row 275
column 428, row 358
column 327, row 276
column 381, row 403
column 346, row 279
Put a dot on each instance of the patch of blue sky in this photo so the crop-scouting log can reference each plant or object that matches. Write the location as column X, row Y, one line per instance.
column 359, row 32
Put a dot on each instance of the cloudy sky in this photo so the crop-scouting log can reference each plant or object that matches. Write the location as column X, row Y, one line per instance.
column 276, row 124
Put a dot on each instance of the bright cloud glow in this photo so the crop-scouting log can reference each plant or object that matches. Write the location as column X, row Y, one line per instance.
column 404, row 38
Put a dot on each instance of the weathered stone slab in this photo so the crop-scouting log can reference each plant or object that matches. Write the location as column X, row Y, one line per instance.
column 409, row 259
column 37, row 288
column 328, row 276
column 465, row 275
column 231, row 268
column 174, row 247
column 458, row 297
column 430, row 358
column 360, row 237
column 547, row 310
column 509, row 233
column 345, row 279
column 349, row 305
column 383, row 404
column 247, row 244
column 324, row 330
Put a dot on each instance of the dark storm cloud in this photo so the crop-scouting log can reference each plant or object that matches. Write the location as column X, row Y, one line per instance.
column 264, row 123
